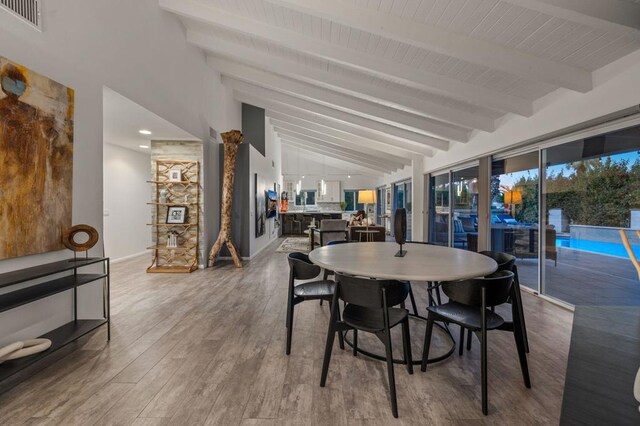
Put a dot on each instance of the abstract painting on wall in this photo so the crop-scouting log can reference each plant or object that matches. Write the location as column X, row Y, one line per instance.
column 36, row 161
column 260, row 212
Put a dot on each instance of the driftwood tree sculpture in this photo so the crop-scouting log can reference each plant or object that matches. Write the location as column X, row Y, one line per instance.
column 231, row 141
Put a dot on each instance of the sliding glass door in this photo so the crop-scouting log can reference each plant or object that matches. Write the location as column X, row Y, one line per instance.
column 453, row 209
column 439, row 209
column 591, row 193
column 402, row 200
column 464, row 230
column 514, row 212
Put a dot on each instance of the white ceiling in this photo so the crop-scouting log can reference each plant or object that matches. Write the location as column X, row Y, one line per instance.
column 414, row 75
column 123, row 119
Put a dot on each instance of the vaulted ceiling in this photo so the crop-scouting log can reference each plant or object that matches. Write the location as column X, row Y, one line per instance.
column 377, row 82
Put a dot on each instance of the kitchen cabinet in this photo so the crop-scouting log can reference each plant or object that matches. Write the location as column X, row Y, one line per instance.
column 289, row 187
column 332, row 194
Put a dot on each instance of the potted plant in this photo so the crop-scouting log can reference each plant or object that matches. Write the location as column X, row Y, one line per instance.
column 343, row 205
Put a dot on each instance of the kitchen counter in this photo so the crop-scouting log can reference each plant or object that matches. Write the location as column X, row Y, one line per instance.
column 316, row 212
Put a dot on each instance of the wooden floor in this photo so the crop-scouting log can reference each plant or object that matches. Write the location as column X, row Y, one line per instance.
column 208, row 348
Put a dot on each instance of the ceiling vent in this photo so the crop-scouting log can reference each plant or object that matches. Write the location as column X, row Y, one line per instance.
column 26, row 10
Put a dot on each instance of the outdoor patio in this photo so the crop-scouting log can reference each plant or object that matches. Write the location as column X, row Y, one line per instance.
column 585, row 278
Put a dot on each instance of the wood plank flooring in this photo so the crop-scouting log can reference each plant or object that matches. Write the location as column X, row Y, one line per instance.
column 208, row 348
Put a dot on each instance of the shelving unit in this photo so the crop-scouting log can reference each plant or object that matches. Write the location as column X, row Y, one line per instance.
column 186, row 192
column 69, row 332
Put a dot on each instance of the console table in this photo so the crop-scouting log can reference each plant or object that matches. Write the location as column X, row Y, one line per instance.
column 72, row 280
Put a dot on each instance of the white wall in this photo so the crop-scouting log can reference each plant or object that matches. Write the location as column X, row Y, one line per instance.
column 126, row 194
column 269, row 170
column 139, row 51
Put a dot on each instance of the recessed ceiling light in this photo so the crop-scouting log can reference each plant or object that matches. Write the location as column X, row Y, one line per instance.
column 349, row 176
column 302, row 177
column 144, row 132
column 144, row 146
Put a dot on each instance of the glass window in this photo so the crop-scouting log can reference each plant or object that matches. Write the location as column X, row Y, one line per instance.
column 439, row 210
column 306, row 198
column 402, row 200
column 591, row 193
column 514, row 213
column 465, row 209
column 351, row 197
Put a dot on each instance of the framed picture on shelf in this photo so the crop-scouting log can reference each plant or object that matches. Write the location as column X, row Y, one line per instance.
column 175, row 175
column 177, row 214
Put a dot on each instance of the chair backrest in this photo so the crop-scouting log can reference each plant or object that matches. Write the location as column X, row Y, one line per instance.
column 505, row 261
column 333, row 225
column 301, row 267
column 367, row 292
column 469, row 292
column 630, row 252
column 457, row 226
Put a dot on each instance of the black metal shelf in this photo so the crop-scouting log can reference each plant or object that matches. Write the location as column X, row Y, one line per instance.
column 40, row 291
column 59, row 337
column 34, row 272
column 65, row 334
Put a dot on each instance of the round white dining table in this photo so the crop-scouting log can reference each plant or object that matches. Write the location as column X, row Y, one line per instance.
column 422, row 262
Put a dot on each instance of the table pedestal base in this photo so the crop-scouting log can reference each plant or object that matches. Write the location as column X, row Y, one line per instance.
column 442, row 327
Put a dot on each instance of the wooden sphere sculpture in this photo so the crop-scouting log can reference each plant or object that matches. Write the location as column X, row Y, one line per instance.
column 68, row 238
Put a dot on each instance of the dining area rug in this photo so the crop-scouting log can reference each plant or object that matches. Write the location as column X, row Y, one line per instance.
column 294, row 244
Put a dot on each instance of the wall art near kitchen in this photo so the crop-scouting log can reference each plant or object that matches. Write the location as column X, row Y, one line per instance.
column 36, row 159
column 261, row 213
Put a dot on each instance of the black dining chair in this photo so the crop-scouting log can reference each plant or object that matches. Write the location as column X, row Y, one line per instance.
column 328, row 272
column 506, row 262
column 433, row 288
column 301, row 268
column 369, row 308
column 469, row 307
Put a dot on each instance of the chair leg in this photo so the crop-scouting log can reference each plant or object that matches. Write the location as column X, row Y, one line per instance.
column 331, row 336
column 483, row 356
column 406, row 342
column 522, row 354
column 413, row 301
column 290, row 308
column 340, row 335
column 355, row 342
column 430, row 296
column 461, row 342
column 392, row 379
column 520, row 312
column 483, row 362
column 427, row 343
column 469, row 335
column 438, row 295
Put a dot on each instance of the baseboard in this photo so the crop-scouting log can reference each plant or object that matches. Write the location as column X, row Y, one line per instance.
column 131, row 256
column 253, row 255
column 263, row 248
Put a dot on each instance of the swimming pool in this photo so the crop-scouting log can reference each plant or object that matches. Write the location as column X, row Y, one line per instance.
column 611, row 249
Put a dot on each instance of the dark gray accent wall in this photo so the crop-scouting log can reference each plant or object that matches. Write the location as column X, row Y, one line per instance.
column 253, row 129
column 253, row 119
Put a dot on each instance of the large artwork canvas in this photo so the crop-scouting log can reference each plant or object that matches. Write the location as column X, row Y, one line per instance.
column 260, row 212
column 36, row 161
